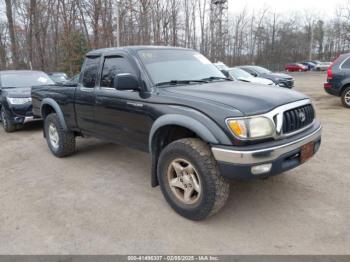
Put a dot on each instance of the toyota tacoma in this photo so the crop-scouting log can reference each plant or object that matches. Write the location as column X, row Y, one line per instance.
column 200, row 128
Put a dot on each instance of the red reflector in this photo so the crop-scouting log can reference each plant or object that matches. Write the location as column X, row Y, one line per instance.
column 327, row 85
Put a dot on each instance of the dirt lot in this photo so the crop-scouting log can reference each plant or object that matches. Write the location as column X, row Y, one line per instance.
column 100, row 200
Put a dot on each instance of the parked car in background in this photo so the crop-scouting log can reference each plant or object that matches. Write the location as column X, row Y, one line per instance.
column 16, row 101
column 58, row 77
column 279, row 79
column 311, row 66
column 221, row 66
column 73, row 80
column 323, row 66
column 200, row 128
column 296, row 67
column 338, row 79
column 238, row 74
column 315, row 61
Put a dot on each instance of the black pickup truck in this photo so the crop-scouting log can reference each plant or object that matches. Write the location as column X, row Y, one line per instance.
column 200, row 128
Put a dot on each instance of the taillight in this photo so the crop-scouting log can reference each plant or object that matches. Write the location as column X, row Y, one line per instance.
column 330, row 68
column 330, row 72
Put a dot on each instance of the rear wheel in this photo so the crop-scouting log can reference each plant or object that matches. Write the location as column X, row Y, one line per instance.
column 6, row 123
column 190, row 181
column 346, row 97
column 60, row 142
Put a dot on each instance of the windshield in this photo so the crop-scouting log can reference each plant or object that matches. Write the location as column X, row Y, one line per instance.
column 24, row 79
column 177, row 65
column 261, row 70
column 239, row 73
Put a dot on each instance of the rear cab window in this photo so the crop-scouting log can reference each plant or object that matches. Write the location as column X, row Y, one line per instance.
column 90, row 71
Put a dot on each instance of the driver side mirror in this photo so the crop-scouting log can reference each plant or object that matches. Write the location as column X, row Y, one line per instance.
column 126, row 81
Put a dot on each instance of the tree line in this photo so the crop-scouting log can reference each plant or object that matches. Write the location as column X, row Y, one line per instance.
column 54, row 35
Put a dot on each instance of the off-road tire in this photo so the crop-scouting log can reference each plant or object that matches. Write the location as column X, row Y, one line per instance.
column 6, row 123
column 215, row 188
column 66, row 141
column 345, row 93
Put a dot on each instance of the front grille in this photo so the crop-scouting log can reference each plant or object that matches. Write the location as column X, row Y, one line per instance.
column 297, row 118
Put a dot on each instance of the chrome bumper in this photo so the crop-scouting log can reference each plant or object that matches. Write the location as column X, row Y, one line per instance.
column 262, row 155
column 28, row 119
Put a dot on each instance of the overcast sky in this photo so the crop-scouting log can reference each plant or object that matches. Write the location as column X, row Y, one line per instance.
column 323, row 7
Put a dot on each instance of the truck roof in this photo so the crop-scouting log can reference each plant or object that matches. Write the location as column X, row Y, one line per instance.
column 135, row 48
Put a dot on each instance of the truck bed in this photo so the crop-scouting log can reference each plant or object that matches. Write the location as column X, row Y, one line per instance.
column 62, row 94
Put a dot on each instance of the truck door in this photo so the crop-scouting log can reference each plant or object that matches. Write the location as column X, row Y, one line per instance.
column 121, row 116
column 85, row 94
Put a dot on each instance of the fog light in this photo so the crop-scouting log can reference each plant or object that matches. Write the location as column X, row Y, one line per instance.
column 261, row 169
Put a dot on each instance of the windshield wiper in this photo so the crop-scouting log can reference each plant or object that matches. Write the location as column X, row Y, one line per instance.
column 213, row 78
column 181, row 82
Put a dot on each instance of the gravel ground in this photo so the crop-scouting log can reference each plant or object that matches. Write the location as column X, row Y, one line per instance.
column 99, row 201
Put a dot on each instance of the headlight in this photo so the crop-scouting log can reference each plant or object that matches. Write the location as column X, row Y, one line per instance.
column 19, row 100
column 251, row 128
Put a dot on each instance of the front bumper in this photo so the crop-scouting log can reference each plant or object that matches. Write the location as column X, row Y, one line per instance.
column 21, row 114
column 238, row 163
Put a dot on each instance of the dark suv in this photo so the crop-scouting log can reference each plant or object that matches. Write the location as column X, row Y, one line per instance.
column 15, row 99
column 338, row 79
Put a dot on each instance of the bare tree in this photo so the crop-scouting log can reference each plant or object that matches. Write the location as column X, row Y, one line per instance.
column 54, row 34
column 11, row 25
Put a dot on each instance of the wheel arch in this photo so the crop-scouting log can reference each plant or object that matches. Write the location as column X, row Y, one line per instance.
column 345, row 85
column 169, row 128
column 49, row 106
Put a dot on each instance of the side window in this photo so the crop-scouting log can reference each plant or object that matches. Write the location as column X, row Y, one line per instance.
column 346, row 65
column 90, row 71
column 113, row 66
column 248, row 70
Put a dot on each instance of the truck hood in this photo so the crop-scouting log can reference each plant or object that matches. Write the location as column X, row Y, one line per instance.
column 16, row 92
column 248, row 98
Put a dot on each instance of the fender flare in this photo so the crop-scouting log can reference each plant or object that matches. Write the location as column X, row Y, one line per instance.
column 184, row 121
column 204, row 132
column 57, row 108
column 344, row 84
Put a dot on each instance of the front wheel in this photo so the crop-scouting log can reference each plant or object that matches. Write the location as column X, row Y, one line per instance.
column 346, row 97
column 60, row 141
column 6, row 123
column 190, row 181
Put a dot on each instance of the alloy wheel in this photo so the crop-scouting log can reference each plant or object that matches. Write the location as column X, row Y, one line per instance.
column 347, row 98
column 3, row 119
column 53, row 135
column 184, row 181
